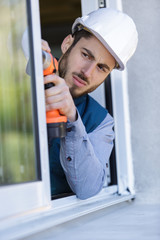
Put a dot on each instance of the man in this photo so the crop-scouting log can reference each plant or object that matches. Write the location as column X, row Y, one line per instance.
column 100, row 42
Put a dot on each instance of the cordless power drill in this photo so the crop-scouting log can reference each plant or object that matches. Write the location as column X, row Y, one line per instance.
column 56, row 123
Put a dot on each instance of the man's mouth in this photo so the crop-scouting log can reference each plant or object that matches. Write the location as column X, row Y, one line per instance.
column 78, row 81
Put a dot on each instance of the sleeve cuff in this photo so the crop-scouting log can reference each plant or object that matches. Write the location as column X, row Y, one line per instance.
column 77, row 128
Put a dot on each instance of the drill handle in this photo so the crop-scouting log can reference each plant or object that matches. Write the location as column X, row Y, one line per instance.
column 56, row 123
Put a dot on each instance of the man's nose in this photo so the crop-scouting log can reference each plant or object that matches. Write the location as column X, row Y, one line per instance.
column 88, row 69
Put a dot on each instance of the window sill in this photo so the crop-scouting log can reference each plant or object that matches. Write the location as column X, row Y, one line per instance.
column 60, row 211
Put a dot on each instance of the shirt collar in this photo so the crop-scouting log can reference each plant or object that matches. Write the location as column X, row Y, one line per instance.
column 79, row 100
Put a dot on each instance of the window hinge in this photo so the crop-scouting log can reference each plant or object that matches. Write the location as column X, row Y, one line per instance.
column 101, row 3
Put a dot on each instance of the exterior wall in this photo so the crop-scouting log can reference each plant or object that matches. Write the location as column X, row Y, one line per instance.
column 144, row 98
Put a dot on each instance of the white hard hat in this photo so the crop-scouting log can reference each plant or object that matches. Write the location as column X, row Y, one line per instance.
column 116, row 31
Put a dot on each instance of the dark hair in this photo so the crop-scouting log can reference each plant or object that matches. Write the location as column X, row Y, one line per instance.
column 80, row 34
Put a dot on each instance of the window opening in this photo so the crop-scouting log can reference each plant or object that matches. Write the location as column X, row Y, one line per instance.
column 56, row 22
column 109, row 106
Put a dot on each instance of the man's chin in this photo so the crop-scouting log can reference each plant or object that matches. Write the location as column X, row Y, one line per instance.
column 76, row 93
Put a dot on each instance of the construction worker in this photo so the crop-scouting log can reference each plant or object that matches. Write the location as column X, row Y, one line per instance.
column 100, row 42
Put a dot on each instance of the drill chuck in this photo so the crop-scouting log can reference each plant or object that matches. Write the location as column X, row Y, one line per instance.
column 46, row 58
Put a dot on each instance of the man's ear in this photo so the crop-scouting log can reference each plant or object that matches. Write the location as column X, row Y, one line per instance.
column 67, row 42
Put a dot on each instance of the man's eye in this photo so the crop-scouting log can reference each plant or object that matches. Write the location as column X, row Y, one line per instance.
column 102, row 68
column 85, row 55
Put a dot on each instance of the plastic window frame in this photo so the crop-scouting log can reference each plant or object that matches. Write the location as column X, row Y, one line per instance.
column 38, row 191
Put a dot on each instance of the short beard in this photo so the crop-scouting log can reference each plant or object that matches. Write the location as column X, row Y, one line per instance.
column 63, row 65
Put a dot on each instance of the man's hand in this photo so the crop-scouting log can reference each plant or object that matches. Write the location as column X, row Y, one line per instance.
column 45, row 46
column 59, row 97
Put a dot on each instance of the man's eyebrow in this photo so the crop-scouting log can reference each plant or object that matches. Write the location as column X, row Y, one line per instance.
column 90, row 53
column 105, row 66
column 93, row 57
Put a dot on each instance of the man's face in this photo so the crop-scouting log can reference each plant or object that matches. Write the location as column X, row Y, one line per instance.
column 86, row 66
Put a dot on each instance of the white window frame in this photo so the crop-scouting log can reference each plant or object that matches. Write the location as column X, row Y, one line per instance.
column 38, row 191
column 120, row 100
column 43, row 213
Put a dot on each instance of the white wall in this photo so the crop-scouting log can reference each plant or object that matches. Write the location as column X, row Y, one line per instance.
column 144, row 98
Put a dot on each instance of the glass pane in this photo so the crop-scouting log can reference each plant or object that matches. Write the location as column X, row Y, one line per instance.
column 17, row 145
